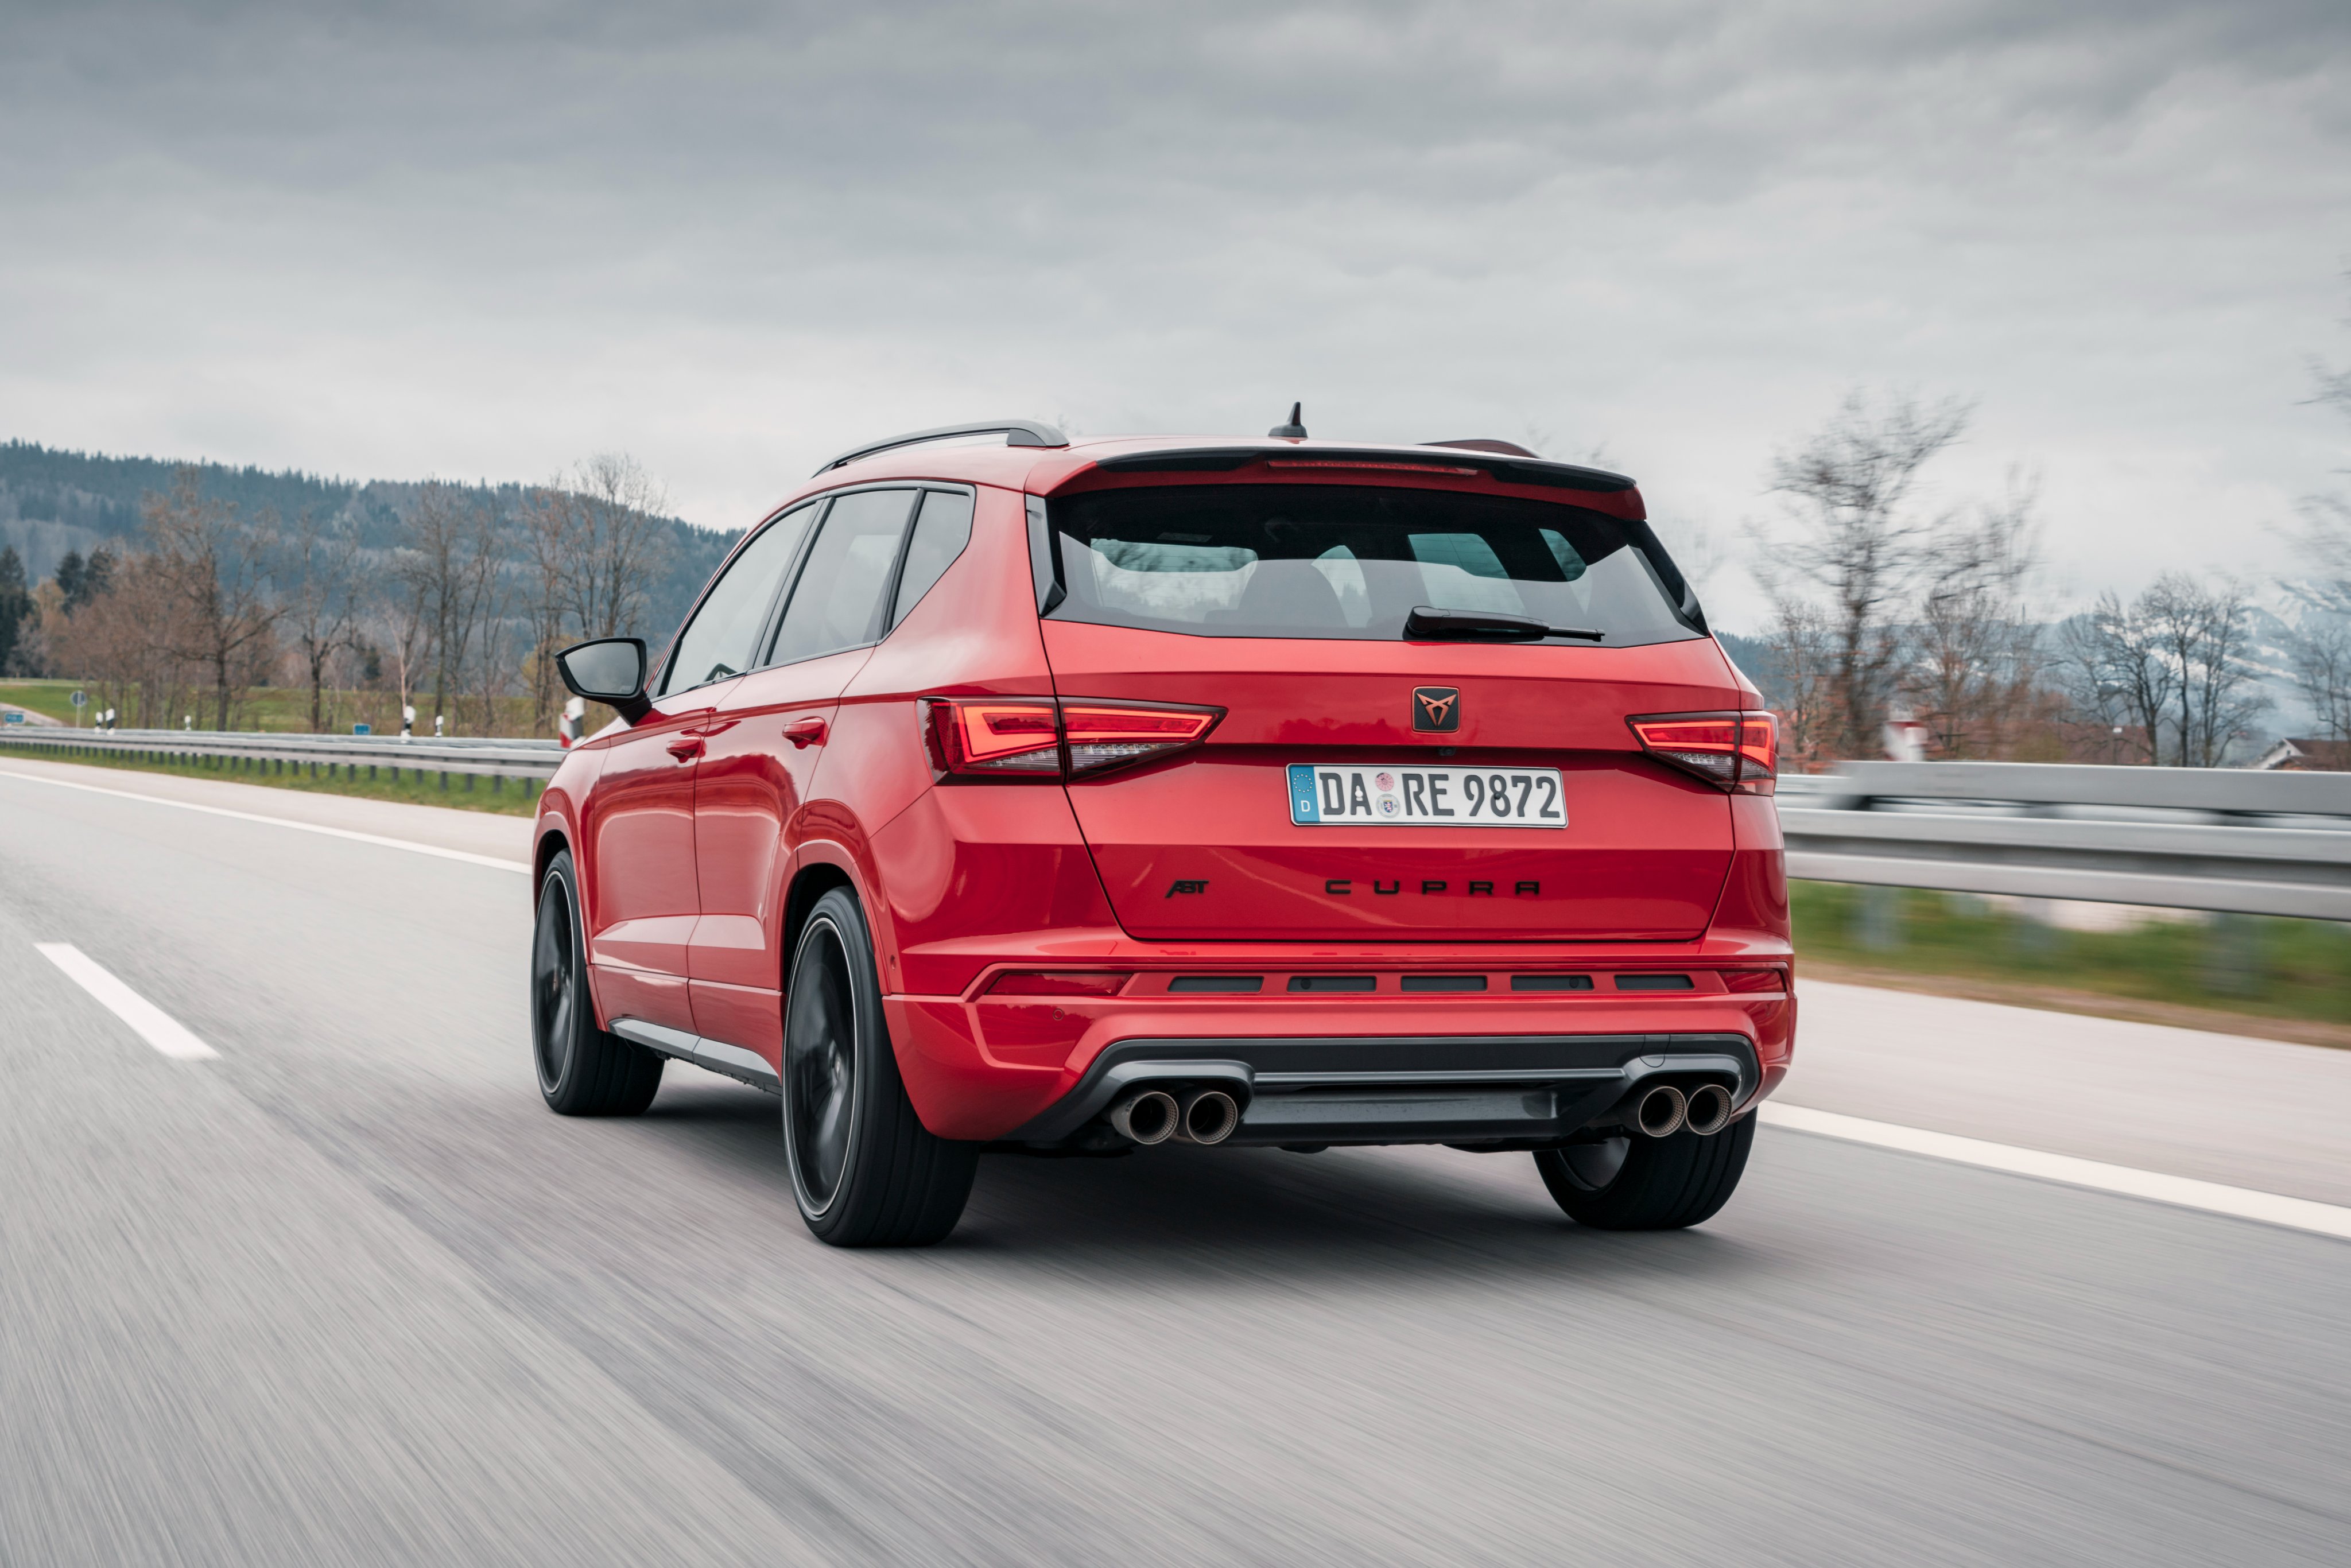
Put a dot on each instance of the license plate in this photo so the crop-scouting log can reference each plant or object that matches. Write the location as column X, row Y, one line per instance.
column 1391, row 797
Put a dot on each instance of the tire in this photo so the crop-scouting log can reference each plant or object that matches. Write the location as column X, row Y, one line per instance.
column 1662, row 1184
column 865, row 1170
column 582, row 1069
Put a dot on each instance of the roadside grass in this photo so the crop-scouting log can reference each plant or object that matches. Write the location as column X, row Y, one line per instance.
column 2243, row 964
column 459, row 791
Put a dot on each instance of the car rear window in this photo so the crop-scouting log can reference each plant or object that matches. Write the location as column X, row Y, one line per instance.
column 1343, row 561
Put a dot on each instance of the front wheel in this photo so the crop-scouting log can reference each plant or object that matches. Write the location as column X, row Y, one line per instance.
column 865, row 1170
column 1648, row 1183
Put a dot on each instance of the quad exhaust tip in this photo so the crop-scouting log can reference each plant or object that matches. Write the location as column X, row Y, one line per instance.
column 1707, row 1111
column 1209, row 1116
column 1148, row 1116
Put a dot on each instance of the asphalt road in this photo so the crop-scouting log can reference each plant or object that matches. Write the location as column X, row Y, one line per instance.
column 347, row 1293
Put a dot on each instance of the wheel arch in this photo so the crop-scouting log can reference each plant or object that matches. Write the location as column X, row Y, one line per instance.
column 811, row 882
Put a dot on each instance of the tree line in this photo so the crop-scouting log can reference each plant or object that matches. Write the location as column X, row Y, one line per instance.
column 458, row 615
column 1889, row 614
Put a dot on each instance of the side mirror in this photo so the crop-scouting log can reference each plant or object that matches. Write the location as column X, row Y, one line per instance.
column 610, row 670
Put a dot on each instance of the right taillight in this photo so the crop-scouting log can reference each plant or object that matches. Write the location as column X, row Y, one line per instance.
column 1738, row 751
column 1038, row 738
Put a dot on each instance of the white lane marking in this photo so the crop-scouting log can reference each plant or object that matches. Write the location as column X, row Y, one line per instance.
column 156, row 1027
column 409, row 844
column 2184, row 1192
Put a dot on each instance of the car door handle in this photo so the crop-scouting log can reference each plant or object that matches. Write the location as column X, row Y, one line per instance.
column 805, row 732
column 685, row 748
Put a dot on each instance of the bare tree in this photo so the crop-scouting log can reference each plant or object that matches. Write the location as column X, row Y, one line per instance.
column 217, row 567
column 1975, row 662
column 1856, row 541
column 1803, row 661
column 322, row 614
column 2118, row 676
column 453, row 566
column 405, row 628
column 2171, row 665
column 599, row 539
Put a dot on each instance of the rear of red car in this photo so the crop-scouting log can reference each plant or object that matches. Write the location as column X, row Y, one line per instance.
column 1414, row 803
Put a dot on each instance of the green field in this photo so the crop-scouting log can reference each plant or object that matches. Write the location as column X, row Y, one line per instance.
column 282, row 709
column 2240, row 964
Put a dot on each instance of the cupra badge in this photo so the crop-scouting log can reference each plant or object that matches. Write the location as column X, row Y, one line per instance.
column 1437, row 707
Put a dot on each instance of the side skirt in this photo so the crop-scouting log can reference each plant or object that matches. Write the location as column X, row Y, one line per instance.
column 730, row 1060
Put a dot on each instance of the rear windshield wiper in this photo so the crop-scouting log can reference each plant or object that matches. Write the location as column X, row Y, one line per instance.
column 1430, row 624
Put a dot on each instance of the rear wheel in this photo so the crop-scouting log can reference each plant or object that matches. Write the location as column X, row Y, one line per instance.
column 582, row 1069
column 1648, row 1183
column 865, row 1170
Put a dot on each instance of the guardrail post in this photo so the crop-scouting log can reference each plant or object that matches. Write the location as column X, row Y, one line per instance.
column 2231, row 960
column 1877, row 918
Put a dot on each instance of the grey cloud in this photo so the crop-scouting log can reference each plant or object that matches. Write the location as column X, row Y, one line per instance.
column 735, row 238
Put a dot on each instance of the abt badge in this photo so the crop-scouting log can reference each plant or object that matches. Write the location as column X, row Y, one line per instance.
column 1175, row 887
column 1437, row 708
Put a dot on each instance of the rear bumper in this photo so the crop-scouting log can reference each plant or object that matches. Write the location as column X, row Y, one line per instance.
column 1506, row 1089
column 1371, row 1069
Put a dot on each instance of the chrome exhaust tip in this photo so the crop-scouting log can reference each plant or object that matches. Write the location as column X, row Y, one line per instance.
column 1660, row 1112
column 1209, row 1116
column 1709, row 1110
column 1147, row 1117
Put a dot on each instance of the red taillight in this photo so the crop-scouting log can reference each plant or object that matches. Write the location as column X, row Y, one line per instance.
column 996, row 736
column 1036, row 737
column 1755, row 979
column 1058, row 983
column 1103, row 735
column 1740, row 751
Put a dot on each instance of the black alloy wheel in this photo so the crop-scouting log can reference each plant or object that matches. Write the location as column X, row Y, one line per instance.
column 821, row 1066
column 865, row 1170
column 1648, row 1183
column 583, row 1071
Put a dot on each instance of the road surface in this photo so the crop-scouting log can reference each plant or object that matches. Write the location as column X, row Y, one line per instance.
column 345, row 1292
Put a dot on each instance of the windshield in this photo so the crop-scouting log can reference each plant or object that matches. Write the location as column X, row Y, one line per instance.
column 1345, row 561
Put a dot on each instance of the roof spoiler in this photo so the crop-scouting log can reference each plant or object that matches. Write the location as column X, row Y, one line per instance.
column 1509, row 469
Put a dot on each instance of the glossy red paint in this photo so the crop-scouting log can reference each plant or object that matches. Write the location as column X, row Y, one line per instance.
column 702, row 831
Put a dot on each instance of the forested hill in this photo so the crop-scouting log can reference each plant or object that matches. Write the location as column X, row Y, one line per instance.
column 53, row 501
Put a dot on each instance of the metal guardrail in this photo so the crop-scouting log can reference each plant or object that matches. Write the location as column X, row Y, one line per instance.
column 497, row 758
column 2214, row 838
column 2224, row 840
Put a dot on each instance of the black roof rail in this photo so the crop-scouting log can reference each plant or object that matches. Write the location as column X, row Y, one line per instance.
column 1015, row 432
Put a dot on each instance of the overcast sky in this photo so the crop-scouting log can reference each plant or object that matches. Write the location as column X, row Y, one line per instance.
column 478, row 240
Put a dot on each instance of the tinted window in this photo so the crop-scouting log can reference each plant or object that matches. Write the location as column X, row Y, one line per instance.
column 718, row 640
column 942, row 528
column 1343, row 561
column 837, row 603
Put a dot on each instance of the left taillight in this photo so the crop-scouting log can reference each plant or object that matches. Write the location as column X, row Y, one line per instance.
column 1039, row 737
column 1738, row 751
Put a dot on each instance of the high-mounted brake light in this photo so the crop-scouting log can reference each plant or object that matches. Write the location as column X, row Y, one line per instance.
column 1037, row 737
column 1738, row 751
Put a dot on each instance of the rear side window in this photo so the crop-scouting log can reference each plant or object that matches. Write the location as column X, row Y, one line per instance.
column 718, row 640
column 942, row 528
column 838, row 602
column 1352, row 562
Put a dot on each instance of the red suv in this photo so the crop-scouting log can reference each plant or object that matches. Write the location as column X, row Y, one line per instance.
column 1068, row 797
